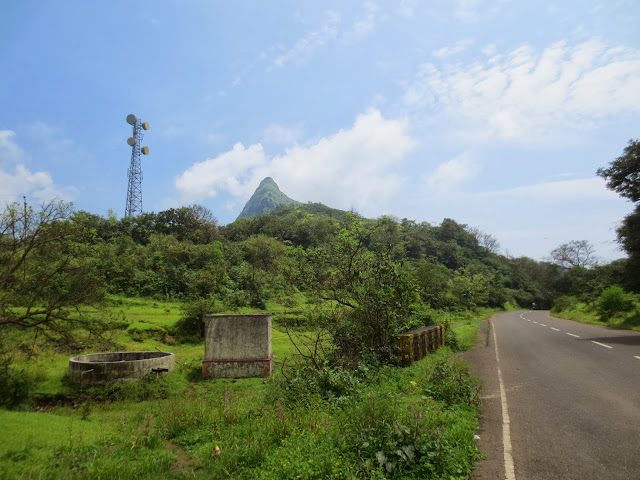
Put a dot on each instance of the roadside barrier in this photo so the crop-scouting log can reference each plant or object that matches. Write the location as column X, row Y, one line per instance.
column 413, row 345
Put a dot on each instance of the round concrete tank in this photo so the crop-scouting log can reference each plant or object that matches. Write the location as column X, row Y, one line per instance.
column 109, row 367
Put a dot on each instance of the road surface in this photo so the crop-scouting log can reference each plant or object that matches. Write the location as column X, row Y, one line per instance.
column 562, row 401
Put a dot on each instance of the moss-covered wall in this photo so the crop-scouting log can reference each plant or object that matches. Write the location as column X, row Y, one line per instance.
column 414, row 345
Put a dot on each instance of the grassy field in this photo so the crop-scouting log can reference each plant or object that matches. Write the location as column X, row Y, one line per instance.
column 414, row 422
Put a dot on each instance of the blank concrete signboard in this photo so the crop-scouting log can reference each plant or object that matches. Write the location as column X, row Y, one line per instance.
column 237, row 346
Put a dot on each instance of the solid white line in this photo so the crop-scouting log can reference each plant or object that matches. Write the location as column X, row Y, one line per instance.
column 542, row 325
column 577, row 336
column 509, row 469
column 601, row 344
column 555, row 329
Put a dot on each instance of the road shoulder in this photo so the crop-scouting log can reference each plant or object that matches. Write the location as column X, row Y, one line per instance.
column 483, row 364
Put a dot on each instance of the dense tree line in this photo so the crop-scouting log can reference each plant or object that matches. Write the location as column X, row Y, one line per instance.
column 384, row 274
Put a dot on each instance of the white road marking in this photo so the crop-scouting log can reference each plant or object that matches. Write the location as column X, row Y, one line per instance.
column 509, row 469
column 557, row 330
column 542, row 325
column 528, row 320
column 635, row 356
column 601, row 344
column 577, row 336
column 535, row 322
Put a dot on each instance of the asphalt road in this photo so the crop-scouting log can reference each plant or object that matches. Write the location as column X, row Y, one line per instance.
column 572, row 394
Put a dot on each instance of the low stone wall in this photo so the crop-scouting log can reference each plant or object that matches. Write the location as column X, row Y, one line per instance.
column 237, row 346
column 413, row 345
column 101, row 368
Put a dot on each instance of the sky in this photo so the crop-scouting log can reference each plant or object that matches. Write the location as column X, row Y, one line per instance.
column 496, row 114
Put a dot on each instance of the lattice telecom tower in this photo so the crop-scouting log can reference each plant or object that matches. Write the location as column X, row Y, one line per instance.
column 134, row 192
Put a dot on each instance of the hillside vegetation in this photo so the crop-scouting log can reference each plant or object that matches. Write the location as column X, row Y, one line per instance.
column 339, row 288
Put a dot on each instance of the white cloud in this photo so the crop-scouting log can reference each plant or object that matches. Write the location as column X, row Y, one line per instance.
column 328, row 32
column 229, row 171
column 559, row 191
column 363, row 26
column 313, row 40
column 474, row 10
column 467, row 9
column 457, row 47
column 10, row 152
column 489, row 49
column 351, row 168
column 448, row 175
column 407, row 8
column 526, row 95
column 17, row 180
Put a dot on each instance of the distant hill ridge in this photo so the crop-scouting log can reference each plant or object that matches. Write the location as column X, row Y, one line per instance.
column 265, row 199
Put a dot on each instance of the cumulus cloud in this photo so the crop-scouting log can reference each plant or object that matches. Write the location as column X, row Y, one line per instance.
column 526, row 94
column 354, row 167
column 230, row 171
column 17, row 180
column 448, row 175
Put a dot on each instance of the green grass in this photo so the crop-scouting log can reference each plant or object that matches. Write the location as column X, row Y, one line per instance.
column 264, row 429
column 465, row 325
column 586, row 313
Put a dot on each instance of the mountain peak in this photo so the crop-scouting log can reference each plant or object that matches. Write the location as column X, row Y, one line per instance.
column 265, row 199
column 266, row 181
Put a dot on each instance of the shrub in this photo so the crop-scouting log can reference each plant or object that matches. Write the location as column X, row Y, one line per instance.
column 15, row 385
column 190, row 327
column 452, row 384
column 564, row 303
column 614, row 300
column 141, row 331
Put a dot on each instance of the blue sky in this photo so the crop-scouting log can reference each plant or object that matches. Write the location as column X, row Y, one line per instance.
column 494, row 113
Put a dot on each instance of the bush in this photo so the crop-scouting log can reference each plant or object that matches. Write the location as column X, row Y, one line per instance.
column 15, row 385
column 306, row 385
column 190, row 327
column 150, row 387
column 452, row 384
column 141, row 331
column 614, row 300
column 564, row 303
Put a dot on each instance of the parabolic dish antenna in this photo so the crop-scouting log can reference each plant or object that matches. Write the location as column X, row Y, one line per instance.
column 131, row 141
column 131, row 119
column 145, row 125
column 145, row 150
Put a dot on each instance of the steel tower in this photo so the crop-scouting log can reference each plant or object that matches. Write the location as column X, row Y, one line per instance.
column 134, row 191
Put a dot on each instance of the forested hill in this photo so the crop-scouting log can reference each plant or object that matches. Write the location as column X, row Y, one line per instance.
column 412, row 271
column 265, row 199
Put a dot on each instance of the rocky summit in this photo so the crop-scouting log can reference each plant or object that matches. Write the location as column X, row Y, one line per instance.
column 265, row 199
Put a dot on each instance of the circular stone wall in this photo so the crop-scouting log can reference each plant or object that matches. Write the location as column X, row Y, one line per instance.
column 108, row 367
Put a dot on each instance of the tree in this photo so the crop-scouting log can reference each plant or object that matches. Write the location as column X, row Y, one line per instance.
column 46, row 272
column 371, row 296
column 195, row 223
column 623, row 177
column 485, row 240
column 576, row 253
column 623, row 174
